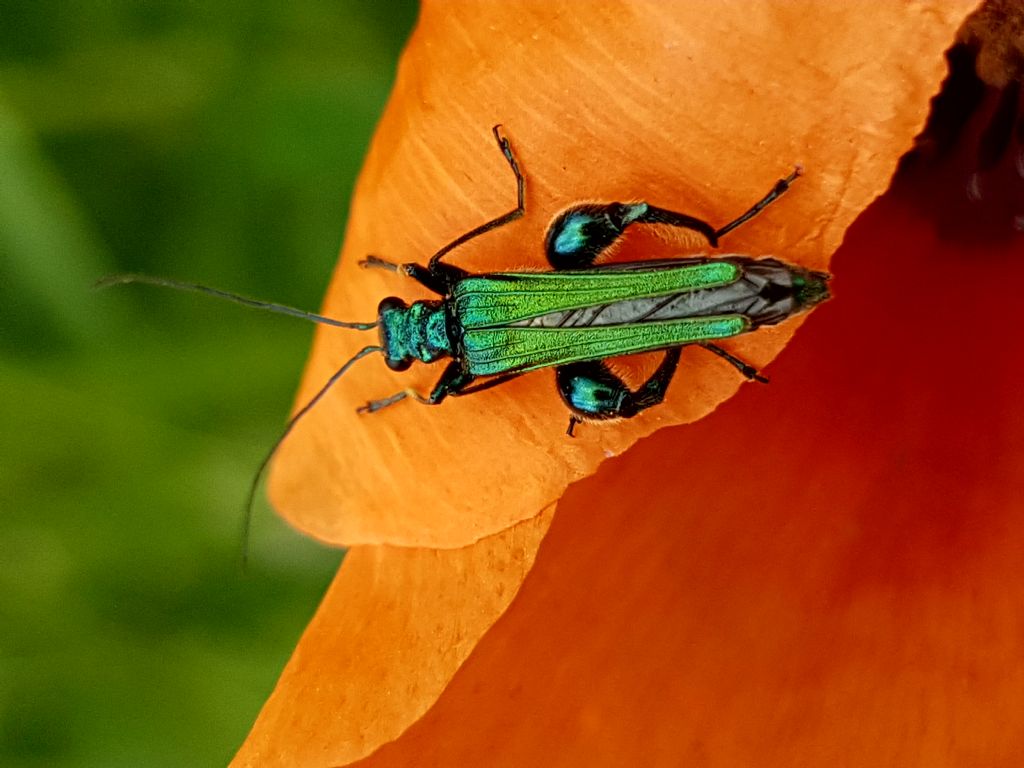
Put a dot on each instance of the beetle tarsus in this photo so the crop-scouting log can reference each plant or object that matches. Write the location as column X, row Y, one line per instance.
column 749, row 371
column 780, row 187
column 411, row 394
column 375, row 262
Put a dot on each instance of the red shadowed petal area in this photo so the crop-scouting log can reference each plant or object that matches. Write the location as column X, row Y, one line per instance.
column 825, row 571
column 689, row 107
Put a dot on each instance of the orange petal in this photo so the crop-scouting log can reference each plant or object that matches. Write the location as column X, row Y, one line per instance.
column 392, row 630
column 691, row 108
column 826, row 571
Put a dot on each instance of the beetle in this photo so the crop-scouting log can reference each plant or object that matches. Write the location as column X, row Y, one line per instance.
column 495, row 327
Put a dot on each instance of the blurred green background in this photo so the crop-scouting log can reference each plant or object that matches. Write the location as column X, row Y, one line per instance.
column 212, row 142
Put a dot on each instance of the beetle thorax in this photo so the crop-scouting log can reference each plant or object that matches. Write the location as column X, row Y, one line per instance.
column 409, row 333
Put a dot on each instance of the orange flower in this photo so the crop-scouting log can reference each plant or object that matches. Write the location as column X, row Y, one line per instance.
column 777, row 592
column 825, row 571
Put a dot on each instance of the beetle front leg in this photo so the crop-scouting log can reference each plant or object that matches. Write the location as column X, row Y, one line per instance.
column 593, row 392
column 439, row 280
column 378, row 405
column 452, row 382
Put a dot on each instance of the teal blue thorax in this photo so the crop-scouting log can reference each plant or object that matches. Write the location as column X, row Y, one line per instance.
column 410, row 333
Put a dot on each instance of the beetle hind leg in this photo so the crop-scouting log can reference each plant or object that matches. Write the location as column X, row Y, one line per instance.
column 579, row 235
column 593, row 392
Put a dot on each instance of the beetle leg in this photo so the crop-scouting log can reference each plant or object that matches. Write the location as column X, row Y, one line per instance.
column 582, row 233
column 593, row 392
column 438, row 280
column 376, row 262
column 483, row 385
column 376, row 405
column 579, row 235
column 773, row 194
column 506, row 149
column 745, row 368
column 452, row 382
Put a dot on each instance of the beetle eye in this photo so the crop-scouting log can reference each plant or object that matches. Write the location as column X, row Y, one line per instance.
column 390, row 303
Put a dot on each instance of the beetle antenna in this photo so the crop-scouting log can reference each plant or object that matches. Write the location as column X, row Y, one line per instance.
column 269, row 306
column 254, row 485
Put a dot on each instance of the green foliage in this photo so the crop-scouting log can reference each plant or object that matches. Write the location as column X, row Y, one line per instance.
column 212, row 142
